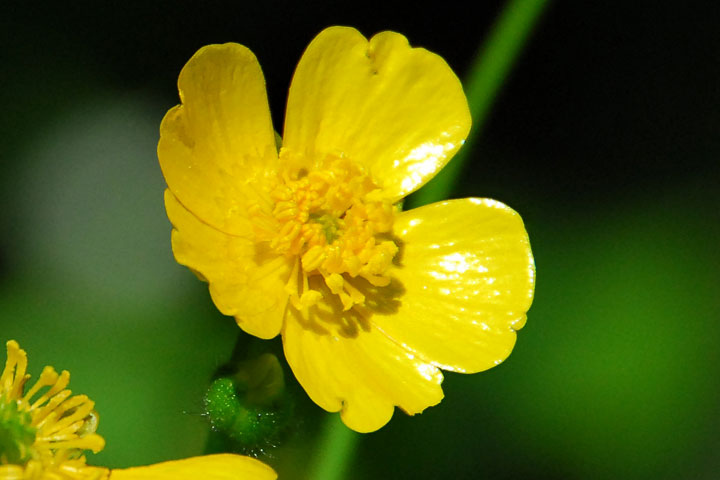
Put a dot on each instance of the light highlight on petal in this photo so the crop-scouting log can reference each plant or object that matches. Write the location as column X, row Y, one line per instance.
column 397, row 110
column 469, row 277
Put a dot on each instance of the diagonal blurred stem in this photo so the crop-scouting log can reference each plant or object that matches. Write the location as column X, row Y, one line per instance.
column 334, row 453
column 488, row 72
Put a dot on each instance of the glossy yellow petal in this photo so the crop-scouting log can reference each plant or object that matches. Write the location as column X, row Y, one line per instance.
column 468, row 275
column 246, row 280
column 356, row 369
column 219, row 141
column 208, row 467
column 399, row 111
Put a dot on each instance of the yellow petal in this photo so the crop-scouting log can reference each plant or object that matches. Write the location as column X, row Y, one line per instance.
column 216, row 144
column 468, row 275
column 245, row 281
column 354, row 369
column 400, row 111
column 208, row 467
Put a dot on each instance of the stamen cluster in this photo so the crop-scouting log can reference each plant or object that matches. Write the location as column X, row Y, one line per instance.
column 45, row 432
column 335, row 222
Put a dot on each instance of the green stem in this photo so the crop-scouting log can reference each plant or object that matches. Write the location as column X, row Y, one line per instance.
column 488, row 72
column 335, row 451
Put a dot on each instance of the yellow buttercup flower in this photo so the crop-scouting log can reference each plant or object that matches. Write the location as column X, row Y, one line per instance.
column 44, row 431
column 308, row 240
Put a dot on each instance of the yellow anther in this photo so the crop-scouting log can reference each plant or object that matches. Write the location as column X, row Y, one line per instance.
column 291, row 287
column 350, row 296
column 48, row 377
column 285, row 210
column 310, row 298
column 335, row 283
column 352, row 265
column 313, row 258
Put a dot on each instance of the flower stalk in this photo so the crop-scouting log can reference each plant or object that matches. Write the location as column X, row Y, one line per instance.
column 488, row 73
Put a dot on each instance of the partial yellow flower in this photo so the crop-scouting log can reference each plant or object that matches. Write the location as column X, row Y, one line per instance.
column 309, row 241
column 44, row 431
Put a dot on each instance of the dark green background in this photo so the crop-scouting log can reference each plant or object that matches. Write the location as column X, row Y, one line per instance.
column 605, row 139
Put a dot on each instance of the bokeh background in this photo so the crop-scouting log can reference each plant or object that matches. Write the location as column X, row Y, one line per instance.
column 604, row 137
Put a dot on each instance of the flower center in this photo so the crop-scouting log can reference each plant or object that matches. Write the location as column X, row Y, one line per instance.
column 336, row 223
column 46, row 424
column 17, row 434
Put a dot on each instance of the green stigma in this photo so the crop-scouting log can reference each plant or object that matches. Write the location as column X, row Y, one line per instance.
column 329, row 224
column 16, row 434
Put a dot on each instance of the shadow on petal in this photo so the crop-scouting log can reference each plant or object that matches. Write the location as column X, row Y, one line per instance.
column 328, row 317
